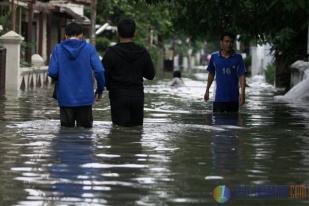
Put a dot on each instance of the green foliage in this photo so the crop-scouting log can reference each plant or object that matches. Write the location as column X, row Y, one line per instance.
column 270, row 74
column 251, row 18
column 4, row 21
column 147, row 16
column 182, row 44
column 156, row 58
column 102, row 43
column 282, row 23
column 197, row 45
column 24, row 46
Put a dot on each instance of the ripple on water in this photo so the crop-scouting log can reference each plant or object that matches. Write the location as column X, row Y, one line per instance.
column 178, row 157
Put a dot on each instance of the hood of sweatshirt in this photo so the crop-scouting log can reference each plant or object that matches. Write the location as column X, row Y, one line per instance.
column 130, row 52
column 73, row 47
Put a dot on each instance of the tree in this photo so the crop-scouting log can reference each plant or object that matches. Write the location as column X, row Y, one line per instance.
column 283, row 23
column 151, row 20
column 147, row 16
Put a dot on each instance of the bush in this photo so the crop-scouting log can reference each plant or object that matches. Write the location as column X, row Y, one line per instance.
column 102, row 43
column 4, row 21
column 270, row 73
column 156, row 59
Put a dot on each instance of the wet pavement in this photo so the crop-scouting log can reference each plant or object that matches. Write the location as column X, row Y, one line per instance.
column 180, row 154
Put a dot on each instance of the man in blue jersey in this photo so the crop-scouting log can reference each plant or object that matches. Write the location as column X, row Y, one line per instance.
column 73, row 64
column 228, row 66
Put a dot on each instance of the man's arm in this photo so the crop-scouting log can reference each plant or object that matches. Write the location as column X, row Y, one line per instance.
column 210, row 79
column 98, row 72
column 53, row 67
column 242, row 81
column 149, row 71
column 242, row 95
column 211, row 75
column 107, row 63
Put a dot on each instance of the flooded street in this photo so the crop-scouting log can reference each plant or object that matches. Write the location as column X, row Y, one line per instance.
column 178, row 157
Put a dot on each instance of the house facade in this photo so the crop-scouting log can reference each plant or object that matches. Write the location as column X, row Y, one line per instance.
column 41, row 23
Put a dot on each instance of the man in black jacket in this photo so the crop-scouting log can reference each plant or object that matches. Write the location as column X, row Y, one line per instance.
column 126, row 64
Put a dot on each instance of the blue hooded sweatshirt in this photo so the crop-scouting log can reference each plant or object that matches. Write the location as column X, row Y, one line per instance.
column 73, row 63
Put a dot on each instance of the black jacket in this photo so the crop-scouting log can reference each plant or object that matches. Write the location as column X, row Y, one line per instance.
column 125, row 66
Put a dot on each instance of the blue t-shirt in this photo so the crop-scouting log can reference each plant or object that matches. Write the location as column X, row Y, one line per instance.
column 227, row 71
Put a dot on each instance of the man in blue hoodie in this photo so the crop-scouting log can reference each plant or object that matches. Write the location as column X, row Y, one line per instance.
column 73, row 64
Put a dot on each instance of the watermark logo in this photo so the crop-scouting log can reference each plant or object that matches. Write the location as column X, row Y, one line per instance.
column 221, row 194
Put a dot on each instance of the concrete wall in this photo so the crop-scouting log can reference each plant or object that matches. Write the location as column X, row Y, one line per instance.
column 261, row 57
column 21, row 78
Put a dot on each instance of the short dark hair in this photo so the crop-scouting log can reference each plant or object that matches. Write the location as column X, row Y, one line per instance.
column 73, row 29
column 126, row 28
column 229, row 34
column 177, row 74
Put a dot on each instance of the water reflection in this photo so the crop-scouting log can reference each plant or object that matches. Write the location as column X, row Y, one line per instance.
column 2, row 107
column 72, row 149
column 118, row 156
column 225, row 144
column 176, row 158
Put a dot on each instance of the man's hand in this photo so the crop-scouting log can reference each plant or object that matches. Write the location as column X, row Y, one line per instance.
column 241, row 99
column 242, row 80
column 206, row 96
column 98, row 95
column 210, row 79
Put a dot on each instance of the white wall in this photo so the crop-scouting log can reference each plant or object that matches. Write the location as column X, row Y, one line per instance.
column 261, row 57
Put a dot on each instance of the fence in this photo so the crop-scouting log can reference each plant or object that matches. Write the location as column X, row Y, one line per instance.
column 33, row 77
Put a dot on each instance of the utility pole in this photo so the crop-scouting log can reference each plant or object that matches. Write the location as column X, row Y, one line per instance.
column 29, row 31
column 13, row 9
column 93, row 21
column 308, row 40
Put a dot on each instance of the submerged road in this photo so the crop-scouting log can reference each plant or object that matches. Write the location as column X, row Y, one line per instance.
column 179, row 156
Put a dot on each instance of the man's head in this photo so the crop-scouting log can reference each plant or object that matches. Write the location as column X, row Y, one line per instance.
column 177, row 74
column 227, row 41
column 126, row 28
column 73, row 30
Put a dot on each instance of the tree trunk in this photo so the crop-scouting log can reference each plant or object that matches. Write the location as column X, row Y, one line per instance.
column 282, row 71
column 29, row 32
column 13, row 15
column 93, row 21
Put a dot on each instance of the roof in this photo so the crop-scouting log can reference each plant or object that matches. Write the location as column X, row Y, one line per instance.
column 86, row 2
column 72, row 14
column 55, row 6
column 61, row 9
